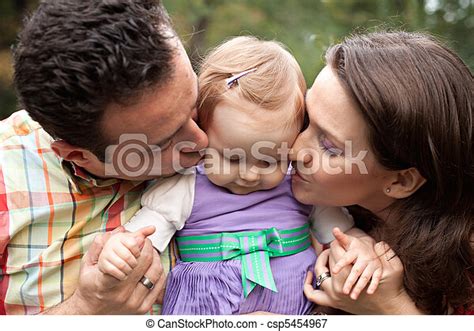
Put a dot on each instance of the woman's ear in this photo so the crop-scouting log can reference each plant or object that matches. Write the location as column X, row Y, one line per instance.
column 406, row 183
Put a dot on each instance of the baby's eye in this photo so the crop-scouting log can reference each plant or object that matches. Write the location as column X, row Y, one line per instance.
column 235, row 159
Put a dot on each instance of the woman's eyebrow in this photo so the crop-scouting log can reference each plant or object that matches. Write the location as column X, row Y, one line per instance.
column 325, row 131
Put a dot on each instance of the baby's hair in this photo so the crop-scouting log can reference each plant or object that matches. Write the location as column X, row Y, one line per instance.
column 276, row 84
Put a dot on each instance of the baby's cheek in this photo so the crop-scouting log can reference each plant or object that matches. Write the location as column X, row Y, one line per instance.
column 223, row 174
column 275, row 178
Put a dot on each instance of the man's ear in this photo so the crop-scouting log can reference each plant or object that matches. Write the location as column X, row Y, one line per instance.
column 68, row 152
column 405, row 183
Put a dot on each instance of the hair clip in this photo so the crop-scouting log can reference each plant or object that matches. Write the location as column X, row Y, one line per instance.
column 234, row 79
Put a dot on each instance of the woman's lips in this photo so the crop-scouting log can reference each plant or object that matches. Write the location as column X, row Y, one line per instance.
column 296, row 176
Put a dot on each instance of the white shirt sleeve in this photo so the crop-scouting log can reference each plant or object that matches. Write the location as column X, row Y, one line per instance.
column 324, row 219
column 166, row 205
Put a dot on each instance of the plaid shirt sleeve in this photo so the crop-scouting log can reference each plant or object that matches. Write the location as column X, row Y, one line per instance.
column 50, row 213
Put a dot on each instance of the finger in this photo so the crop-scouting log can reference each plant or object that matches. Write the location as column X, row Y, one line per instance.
column 309, row 279
column 343, row 239
column 145, row 232
column 155, row 293
column 126, row 255
column 322, row 262
column 153, row 273
column 317, row 296
column 107, row 235
column 144, row 262
column 132, row 244
column 161, row 295
column 376, row 277
column 363, row 281
column 356, row 271
column 119, row 263
column 141, row 234
column 110, row 269
column 348, row 258
column 388, row 257
column 93, row 253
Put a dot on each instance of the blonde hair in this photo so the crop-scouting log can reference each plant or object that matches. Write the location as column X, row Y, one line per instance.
column 276, row 82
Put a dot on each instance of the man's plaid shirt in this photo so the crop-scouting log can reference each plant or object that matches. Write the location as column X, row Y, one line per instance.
column 50, row 212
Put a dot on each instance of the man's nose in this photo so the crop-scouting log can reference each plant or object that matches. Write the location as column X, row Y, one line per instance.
column 195, row 135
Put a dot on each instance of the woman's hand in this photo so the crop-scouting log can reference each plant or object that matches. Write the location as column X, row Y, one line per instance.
column 389, row 298
column 365, row 262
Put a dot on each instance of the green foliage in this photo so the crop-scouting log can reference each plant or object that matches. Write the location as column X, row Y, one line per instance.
column 307, row 27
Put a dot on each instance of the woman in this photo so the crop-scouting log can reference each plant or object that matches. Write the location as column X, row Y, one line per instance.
column 407, row 101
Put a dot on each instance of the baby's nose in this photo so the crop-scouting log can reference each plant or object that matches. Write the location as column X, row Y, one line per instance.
column 250, row 175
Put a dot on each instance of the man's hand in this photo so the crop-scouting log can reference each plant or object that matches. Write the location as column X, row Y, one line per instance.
column 98, row 293
column 119, row 255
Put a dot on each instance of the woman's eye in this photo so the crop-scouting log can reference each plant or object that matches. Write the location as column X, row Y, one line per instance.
column 328, row 147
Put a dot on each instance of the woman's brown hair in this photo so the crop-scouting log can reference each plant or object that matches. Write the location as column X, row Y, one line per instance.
column 416, row 96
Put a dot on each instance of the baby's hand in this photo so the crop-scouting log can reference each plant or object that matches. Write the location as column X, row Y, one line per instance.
column 120, row 253
column 367, row 265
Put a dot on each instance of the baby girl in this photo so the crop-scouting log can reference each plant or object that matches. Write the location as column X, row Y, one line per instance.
column 244, row 241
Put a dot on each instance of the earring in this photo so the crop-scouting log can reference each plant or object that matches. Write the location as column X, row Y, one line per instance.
column 388, row 190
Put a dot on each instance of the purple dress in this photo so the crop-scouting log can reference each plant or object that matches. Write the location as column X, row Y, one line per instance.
column 215, row 288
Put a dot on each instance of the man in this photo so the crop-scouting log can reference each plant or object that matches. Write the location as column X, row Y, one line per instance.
column 89, row 74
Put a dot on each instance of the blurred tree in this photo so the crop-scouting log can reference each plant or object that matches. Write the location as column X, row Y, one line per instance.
column 307, row 27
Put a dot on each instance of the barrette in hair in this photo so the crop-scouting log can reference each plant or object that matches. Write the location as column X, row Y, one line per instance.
column 234, row 79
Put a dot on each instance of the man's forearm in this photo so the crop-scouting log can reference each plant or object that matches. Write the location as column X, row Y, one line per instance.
column 71, row 306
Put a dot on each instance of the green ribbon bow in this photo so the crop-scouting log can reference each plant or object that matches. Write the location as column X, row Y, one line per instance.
column 253, row 248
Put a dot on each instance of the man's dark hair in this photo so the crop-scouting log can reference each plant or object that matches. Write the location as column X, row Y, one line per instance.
column 75, row 57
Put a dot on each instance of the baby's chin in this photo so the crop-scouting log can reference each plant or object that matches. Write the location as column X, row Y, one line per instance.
column 240, row 190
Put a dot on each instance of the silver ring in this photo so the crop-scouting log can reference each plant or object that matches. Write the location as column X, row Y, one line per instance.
column 322, row 278
column 147, row 283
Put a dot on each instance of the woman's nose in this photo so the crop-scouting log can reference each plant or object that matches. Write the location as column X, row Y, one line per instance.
column 298, row 154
